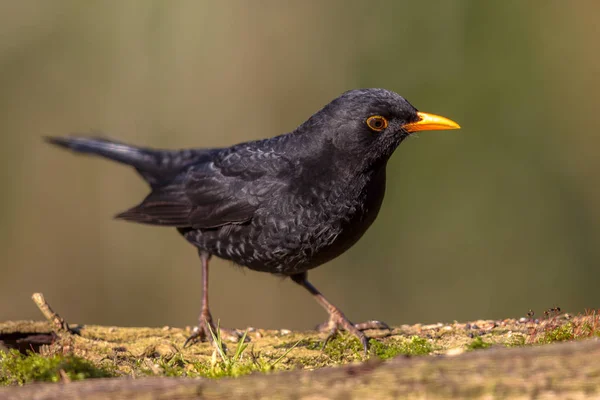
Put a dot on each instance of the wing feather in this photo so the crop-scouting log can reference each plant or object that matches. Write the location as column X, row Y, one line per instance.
column 225, row 191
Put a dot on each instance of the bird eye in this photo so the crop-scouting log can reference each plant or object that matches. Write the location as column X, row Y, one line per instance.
column 377, row 123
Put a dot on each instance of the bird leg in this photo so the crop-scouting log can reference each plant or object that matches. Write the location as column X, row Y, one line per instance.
column 337, row 319
column 202, row 332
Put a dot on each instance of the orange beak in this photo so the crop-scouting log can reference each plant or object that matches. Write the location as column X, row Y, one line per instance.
column 430, row 122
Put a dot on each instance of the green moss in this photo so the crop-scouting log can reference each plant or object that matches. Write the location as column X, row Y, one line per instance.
column 223, row 363
column 516, row 340
column 415, row 346
column 246, row 362
column 175, row 367
column 18, row 369
column 220, row 370
column 478, row 343
column 586, row 330
column 346, row 348
column 559, row 334
column 178, row 366
column 306, row 343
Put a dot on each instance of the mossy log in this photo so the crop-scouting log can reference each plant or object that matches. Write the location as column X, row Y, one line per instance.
column 526, row 370
column 526, row 360
column 562, row 370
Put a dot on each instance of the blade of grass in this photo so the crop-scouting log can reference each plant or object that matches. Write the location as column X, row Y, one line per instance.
column 240, row 347
column 285, row 354
column 218, row 342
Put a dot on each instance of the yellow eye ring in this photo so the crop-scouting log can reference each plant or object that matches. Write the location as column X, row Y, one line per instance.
column 377, row 123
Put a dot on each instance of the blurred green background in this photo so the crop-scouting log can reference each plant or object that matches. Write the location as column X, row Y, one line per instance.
column 486, row 222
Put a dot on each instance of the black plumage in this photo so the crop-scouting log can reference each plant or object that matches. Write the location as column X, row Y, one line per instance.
column 281, row 205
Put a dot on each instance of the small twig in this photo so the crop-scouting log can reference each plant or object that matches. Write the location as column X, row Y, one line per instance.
column 57, row 322
column 63, row 376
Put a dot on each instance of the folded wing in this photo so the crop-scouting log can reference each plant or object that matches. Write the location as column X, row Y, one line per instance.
column 227, row 190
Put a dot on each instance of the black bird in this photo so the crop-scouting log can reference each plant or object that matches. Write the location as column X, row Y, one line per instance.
column 282, row 205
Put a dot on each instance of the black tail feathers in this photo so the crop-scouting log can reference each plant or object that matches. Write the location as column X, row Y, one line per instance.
column 157, row 167
column 120, row 152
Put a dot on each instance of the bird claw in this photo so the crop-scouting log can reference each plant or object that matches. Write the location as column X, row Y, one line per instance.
column 338, row 321
column 198, row 335
column 202, row 333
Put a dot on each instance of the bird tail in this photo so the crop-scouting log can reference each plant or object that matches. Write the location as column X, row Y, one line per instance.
column 155, row 166
column 120, row 152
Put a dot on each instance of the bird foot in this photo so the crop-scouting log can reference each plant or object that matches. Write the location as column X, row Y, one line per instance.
column 201, row 333
column 338, row 321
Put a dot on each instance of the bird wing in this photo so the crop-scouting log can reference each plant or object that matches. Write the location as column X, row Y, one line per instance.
column 227, row 190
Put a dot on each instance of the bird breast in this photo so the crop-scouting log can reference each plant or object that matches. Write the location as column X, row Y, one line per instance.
column 302, row 229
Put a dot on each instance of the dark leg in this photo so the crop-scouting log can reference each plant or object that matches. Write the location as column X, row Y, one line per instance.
column 337, row 319
column 205, row 313
column 201, row 332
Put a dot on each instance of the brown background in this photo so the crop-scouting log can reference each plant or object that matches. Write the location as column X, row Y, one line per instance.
column 485, row 222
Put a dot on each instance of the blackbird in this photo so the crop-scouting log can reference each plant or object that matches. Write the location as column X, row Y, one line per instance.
column 282, row 205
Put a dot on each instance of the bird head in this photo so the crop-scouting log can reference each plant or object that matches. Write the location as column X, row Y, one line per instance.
column 368, row 124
